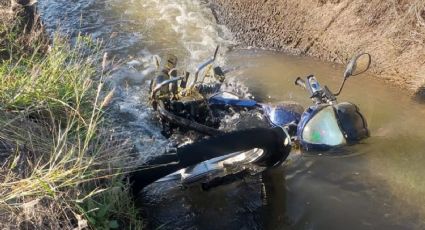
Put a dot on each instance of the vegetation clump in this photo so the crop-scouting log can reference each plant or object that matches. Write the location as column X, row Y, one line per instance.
column 60, row 167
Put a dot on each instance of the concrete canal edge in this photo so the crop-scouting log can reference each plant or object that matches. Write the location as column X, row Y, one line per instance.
column 393, row 32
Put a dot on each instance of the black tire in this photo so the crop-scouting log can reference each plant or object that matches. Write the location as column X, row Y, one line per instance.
column 271, row 140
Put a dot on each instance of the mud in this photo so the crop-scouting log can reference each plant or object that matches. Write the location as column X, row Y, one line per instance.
column 393, row 32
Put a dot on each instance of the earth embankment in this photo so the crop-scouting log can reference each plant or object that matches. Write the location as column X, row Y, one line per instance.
column 393, row 32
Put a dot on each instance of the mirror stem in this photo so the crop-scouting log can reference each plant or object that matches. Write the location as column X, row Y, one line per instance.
column 340, row 88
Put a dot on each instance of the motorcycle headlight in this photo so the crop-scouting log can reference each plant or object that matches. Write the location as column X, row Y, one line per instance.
column 323, row 129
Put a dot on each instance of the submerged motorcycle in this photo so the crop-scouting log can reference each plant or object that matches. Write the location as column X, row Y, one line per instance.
column 234, row 155
column 198, row 106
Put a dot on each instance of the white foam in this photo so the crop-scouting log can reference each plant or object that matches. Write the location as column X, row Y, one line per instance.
column 184, row 27
column 191, row 25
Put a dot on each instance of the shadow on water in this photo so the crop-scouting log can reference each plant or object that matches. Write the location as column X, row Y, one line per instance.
column 274, row 199
column 256, row 203
column 420, row 95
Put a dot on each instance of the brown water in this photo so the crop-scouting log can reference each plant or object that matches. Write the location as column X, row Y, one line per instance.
column 377, row 184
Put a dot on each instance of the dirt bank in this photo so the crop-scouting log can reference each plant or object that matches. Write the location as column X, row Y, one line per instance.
column 392, row 31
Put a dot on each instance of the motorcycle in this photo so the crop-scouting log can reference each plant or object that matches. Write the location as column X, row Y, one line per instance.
column 227, row 157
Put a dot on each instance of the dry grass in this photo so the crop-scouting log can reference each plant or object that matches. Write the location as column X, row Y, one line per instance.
column 392, row 31
column 14, row 42
column 62, row 177
column 60, row 167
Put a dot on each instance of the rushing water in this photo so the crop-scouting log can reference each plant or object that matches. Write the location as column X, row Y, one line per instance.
column 377, row 184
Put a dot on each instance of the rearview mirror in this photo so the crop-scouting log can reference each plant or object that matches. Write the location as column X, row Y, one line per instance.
column 358, row 65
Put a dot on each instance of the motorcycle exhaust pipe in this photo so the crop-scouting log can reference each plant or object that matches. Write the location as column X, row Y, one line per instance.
column 272, row 140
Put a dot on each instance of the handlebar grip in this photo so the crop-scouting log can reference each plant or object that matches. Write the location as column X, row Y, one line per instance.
column 300, row 82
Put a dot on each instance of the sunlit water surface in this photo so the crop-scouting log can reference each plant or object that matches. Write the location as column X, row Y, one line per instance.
column 377, row 184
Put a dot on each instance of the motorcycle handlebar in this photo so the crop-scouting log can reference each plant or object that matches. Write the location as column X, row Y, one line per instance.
column 311, row 85
column 205, row 64
column 300, row 82
column 160, row 85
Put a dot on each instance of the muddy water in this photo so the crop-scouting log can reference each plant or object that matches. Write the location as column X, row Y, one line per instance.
column 374, row 185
